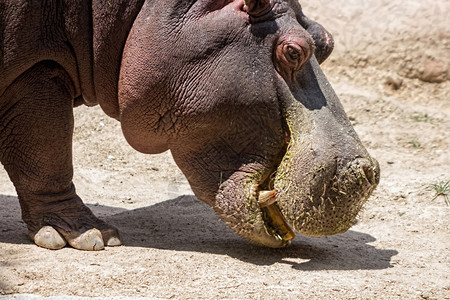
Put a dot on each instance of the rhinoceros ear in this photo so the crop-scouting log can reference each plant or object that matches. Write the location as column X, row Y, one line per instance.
column 256, row 8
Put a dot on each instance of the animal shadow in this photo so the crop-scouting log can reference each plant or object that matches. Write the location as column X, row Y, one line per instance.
column 187, row 224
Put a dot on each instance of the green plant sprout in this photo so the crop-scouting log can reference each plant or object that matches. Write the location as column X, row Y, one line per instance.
column 415, row 144
column 421, row 117
column 441, row 189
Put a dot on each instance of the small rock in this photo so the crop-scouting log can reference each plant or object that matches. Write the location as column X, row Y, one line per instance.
column 393, row 82
column 433, row 71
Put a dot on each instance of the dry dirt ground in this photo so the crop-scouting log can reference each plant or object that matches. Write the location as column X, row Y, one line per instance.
column 391, row 69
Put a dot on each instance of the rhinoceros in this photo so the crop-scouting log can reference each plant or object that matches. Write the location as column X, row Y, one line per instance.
column 232, row 87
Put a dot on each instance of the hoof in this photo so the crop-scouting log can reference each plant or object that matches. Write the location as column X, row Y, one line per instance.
column 111, row 237
column 90, row 240
column 48, row 237
column 75, row 224
column 114, row 241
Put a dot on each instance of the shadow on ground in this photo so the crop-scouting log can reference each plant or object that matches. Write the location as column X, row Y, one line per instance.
column 187, row 224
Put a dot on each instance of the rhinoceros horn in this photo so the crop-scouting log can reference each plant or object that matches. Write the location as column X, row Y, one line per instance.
column 256, row 8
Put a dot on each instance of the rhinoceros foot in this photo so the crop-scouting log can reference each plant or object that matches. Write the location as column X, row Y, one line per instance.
column 76, row 225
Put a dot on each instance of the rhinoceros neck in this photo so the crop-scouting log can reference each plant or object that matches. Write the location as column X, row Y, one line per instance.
column 111, row 21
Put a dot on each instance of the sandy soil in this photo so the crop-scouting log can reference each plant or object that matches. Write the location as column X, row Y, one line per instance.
column 391, row 69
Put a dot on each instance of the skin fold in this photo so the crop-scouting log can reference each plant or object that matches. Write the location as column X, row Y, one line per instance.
column 233, row 88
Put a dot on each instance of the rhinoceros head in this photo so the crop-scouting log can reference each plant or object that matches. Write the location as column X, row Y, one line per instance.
column 235, row 91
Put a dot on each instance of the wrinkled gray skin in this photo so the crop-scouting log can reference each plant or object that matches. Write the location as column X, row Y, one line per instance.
column 233, row 89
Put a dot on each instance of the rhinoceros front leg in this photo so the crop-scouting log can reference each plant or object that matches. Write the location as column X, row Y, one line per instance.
column 36, row 124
